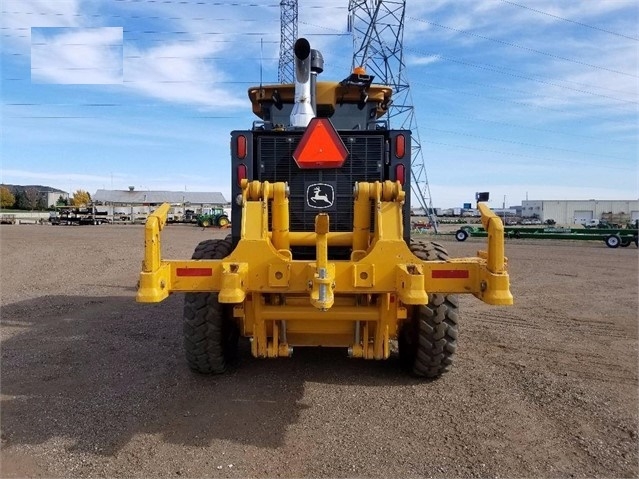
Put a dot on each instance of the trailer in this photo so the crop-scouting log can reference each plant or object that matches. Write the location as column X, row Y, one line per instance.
column 7, row 219
column 70, row 215
column 613, row 237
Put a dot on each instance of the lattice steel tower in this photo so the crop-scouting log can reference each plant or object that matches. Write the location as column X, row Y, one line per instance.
column 377, row 27
column 288, row 35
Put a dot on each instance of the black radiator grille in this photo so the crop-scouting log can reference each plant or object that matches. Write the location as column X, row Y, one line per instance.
column 364, row 163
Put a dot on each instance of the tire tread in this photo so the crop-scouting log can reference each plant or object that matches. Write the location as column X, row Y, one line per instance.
column 208, row 332
column 428, row 341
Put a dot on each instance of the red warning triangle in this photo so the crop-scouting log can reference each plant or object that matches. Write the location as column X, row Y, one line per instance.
column 321, row 146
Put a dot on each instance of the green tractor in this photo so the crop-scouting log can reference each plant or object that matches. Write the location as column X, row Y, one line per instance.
column 213, row 217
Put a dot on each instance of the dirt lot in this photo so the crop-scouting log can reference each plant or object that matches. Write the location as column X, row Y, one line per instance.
column 95, row 385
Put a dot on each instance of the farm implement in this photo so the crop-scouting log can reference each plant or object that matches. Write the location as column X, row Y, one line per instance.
column 613, row 237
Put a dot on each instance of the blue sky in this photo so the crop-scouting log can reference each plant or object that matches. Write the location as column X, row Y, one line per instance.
column 525, row 99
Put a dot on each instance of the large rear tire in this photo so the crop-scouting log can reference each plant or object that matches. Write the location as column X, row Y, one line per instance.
column 428, row 338
column 210, row 333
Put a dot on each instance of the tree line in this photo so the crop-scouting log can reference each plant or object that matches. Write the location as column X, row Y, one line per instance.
column 35, row 200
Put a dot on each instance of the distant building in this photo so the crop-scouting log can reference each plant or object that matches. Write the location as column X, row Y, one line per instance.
column 48, row 197
column 52, row 196
column 579, row 211
column 137, row 204
column 156, row 198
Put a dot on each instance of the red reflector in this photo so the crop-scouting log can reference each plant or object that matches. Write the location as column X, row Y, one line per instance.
column 400, row 174
column 450, row 273
column 320, row 146
column 241, row 173
column 400, row 146
column 241, row 147
column 194, row 272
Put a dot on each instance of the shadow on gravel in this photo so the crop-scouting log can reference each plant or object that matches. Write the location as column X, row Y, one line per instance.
column 97, row 371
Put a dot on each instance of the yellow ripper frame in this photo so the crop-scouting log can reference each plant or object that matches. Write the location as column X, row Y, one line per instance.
column 315, row 302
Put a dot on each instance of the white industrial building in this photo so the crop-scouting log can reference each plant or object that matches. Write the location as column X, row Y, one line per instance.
column 51, row 196
column 137, row 204
column 578, row 211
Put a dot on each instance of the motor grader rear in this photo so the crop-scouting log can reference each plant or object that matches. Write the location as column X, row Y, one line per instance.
column 320, row 252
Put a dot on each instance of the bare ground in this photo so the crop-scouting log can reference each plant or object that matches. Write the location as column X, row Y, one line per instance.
column 95, row 385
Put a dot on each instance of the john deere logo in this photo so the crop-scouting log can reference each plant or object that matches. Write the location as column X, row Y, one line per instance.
column 320, row 196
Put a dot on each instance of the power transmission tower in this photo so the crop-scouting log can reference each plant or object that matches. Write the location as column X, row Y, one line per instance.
column 288, row 35
column 377, row 27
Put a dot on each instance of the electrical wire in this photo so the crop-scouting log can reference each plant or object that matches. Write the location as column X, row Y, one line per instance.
column 570, row 21
column 475, row 119
column 534, row 157
column 528, row 49
column 518, row 74
column 628, row 103
column 489, row 67
column 496, row 70
column 521, row 143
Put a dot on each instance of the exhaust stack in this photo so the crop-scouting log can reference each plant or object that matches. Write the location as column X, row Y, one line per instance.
column 302, row 109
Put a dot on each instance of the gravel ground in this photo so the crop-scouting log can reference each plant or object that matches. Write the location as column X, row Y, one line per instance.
column 95, row 385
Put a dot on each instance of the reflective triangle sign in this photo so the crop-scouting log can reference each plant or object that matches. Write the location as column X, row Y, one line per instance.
column 320, row 146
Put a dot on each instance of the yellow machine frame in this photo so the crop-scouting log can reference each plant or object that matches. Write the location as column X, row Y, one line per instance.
column 357, row 303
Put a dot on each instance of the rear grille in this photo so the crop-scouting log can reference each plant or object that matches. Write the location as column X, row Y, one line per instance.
column 364, row 163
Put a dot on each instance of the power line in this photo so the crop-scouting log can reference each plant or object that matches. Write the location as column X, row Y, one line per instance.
column 633, row 104
column 226, row 4
column 412, row 18
column 528, row 49
column 521, row 143
column 534, row 157
column 521, row 76
column 154, row 17
column 527, row 104
column 517, row 74
column 202, row 3
column 497, row 70
column 175, row 57
column 493, row 68
column 137, row 82
column 131, row 17
column 475, row 119
column 570, row 21
column 83, row 117
column 211, row 82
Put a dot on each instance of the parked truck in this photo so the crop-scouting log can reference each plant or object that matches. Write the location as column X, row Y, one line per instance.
column 320, row 251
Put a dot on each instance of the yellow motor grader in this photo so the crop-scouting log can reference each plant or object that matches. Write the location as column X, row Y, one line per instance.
column 320, row 252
